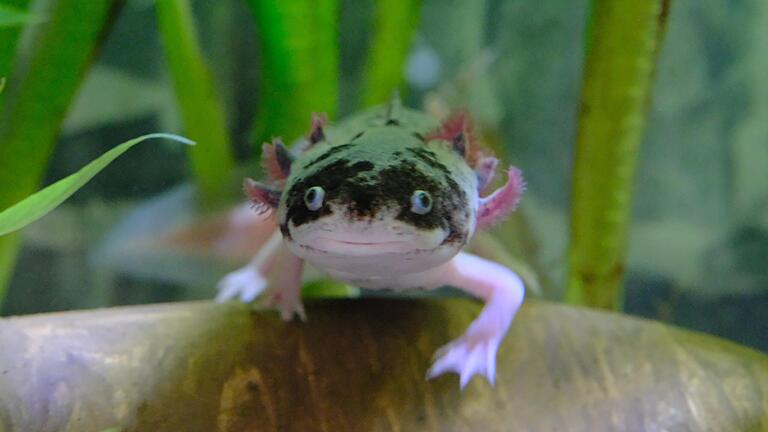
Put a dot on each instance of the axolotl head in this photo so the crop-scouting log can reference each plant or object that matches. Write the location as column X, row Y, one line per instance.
column 385, row 196
column 385, row 201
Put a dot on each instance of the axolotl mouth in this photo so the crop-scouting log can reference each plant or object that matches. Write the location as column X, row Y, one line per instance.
column 339, row 238
column 370, row 256
column 348, row 247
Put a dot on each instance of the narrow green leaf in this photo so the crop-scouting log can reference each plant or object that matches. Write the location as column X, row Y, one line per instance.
column 39, row 90
column 623, row 40
column 392, row 40
column 39, row 204
column 201, row 108
column 300, row 57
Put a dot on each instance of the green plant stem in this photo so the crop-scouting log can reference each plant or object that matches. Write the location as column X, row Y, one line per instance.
column 201, row 108
column 10, row 35
column 37, row 95
column 392, row 40
column 9, row 250
column 623, row 40
column 300, row 65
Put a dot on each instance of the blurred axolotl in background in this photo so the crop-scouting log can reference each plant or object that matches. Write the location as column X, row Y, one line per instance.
column 386, row 200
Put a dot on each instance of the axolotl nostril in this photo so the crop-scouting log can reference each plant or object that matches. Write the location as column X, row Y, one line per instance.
column 387, row 200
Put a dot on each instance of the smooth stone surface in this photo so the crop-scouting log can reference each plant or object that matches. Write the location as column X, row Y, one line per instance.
column 359, row 365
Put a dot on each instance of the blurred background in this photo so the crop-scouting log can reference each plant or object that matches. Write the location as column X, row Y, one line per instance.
column 697, row 245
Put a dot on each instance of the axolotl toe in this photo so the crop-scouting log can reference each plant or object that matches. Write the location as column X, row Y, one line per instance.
column 386, row 200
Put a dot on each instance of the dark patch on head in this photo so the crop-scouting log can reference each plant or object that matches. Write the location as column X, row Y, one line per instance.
column 365, row 194
column 362, row 166
column 328, row 153
column 418, row 136
column 392, row 122
column 449, row 211
column 335, row 179
column 429, row 158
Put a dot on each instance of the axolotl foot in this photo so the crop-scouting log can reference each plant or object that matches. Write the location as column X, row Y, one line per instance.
column 244, row 284
column 247, row 284
column 503, row 292
column 281, row 289
column 471, row 354
column 288, row 304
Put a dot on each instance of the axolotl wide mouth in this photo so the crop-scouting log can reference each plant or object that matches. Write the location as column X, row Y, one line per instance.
column 373, row 246
column 363, row 248
column 367, row 240
column 383, row 249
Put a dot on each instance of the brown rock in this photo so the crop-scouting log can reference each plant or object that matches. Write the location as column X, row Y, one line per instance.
column 359, row 365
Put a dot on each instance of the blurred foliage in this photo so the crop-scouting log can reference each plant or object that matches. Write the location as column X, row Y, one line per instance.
column 300, row 65
column 40, row 89
column 395, row 22
column 622, row 44
column 11, row 16
column 12, row 13
column 201, row 110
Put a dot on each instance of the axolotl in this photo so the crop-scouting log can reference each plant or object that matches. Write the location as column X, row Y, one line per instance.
column 386, row 200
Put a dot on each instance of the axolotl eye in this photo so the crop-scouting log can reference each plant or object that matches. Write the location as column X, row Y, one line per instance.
column 313, row 198
column 421, row 202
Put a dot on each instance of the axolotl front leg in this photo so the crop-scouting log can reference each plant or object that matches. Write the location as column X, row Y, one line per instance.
column 502, row 290
column 274, row 271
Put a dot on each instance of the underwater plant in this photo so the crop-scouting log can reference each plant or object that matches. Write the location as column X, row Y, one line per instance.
column 391, row 42
column 44, row 201
column 301, row 65
column 201, row 108
column 61, row 51
column 622, row 44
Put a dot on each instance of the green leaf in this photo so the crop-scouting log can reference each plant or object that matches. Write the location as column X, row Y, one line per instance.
column 10, row 35
column 201, row 108
column 39, row 89
column 392, row 40
column 39, row 204
column 299, row 48
column 623, row 40
column 13, row 17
